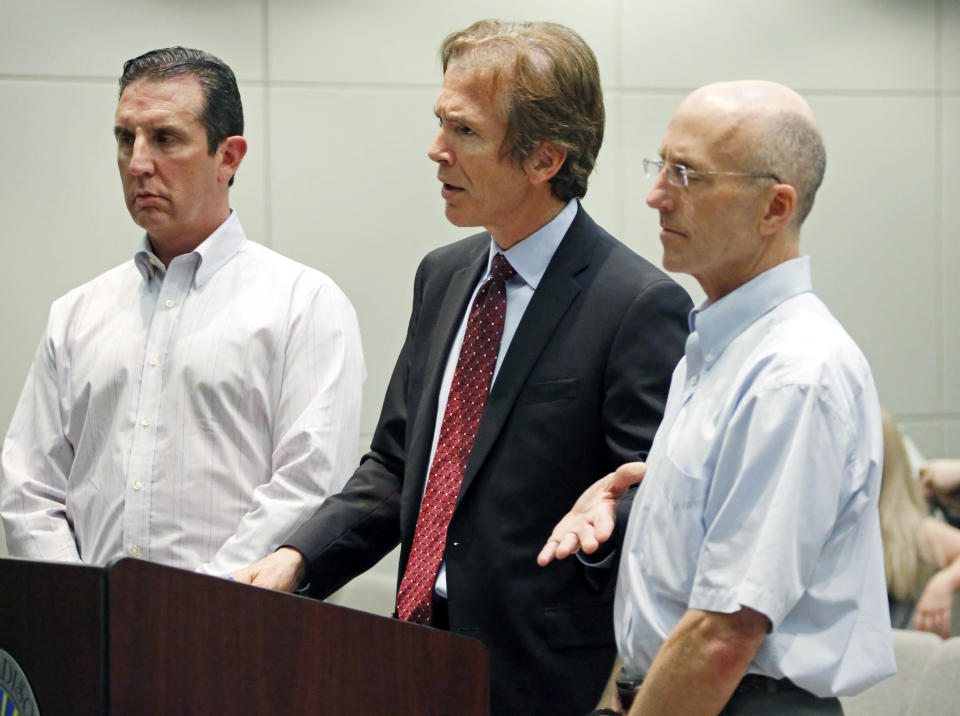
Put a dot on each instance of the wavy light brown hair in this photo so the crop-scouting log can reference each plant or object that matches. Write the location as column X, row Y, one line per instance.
column 550, row 86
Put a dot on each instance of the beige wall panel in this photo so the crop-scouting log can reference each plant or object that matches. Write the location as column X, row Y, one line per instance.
column 64, row 220
column 951, row 446
column 950, row 243
column 386, row 41
column 373, row 591
column 819, row 44
column 604, row 189
column 872, row 236
column 95, row 37
column 927, row 435
column 950, row 45
column 248, row 195
column 355, row 195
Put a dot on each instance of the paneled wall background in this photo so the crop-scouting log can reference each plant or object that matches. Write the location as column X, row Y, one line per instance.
column 339, row 98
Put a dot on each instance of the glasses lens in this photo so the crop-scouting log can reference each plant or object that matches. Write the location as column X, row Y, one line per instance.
column 651, row 168
column 677, row 174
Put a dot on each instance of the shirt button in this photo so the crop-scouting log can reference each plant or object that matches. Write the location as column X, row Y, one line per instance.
column 138, row 485
column 154, row 361
column 134, row 551
column 709, row 357
column 694, row 380
column 168, row 303
column 146, row 422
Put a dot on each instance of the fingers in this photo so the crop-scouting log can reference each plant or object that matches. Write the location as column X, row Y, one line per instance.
column 564, row 543
column 560, row 546
column 626, row 475
column 283, row 570
column 934, row 621
column 242, row 576
column 569, row 544
column 548, row 552
column 603, row 524
column 941, row 475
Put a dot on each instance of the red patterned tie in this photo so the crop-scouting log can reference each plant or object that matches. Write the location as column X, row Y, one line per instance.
column 468, row 395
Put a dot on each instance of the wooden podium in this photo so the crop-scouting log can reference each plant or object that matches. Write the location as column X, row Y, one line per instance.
column 140, row 638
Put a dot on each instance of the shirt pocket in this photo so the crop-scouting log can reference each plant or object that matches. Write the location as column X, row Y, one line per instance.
column 676, row 530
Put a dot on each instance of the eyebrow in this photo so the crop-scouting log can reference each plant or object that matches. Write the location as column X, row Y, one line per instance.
column 168, row 128
column 452, row 115
column 680, row 160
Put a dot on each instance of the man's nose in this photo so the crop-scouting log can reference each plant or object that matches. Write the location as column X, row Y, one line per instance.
column 438, row 150
column 141, row 157
column 661, row 194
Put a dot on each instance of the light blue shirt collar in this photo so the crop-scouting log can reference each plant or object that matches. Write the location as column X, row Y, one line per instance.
column 531, row 256
column 716, row 324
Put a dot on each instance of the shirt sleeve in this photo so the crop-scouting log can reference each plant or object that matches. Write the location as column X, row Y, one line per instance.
column 37, row 458
column 778, row 490
column 315, row 429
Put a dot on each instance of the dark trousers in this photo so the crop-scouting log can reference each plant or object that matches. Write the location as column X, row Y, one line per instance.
column 788, row 702
column 756, row 696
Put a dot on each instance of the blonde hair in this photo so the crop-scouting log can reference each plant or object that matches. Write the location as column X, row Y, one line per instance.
column 908, row 562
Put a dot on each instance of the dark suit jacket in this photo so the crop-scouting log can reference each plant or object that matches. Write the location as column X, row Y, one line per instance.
column 580, row 391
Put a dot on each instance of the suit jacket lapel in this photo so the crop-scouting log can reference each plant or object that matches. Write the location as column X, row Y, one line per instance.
column 550, row 302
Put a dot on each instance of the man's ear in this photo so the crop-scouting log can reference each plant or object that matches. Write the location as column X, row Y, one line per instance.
column 231, row 150
column 544, row 162
column 780, row 208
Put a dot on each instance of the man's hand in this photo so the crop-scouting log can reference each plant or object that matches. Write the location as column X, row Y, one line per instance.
column 592, row 518
column 940, row 478
column 284, row 570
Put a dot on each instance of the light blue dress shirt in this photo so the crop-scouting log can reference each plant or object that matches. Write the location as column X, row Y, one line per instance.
column 529, row 258
column 762, row 490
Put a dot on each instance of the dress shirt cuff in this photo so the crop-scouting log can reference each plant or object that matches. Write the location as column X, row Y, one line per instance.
column 601, row 559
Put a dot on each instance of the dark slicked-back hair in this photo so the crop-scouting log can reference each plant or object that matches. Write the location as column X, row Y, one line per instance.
column 222, row 112
column 550, row 86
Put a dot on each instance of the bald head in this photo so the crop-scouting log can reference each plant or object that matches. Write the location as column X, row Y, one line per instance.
column 750, row 98
column 764, row 127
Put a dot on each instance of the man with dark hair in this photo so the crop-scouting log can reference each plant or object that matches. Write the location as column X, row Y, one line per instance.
column 222, row 111
column 751, row 577
column 195, row 404
column 537, row 358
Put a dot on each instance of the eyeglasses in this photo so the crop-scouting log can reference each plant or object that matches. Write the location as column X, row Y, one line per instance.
column 679, row 175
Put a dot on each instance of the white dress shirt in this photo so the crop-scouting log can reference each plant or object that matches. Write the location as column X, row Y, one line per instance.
column 529, row 258
column 761, row 492
column 192, row 416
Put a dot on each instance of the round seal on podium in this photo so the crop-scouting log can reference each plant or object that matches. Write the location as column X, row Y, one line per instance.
column 16, row 696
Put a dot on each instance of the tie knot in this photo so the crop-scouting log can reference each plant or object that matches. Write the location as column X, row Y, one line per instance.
column 501, row 269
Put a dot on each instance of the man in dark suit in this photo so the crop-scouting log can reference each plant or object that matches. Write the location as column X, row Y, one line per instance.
column 469, row 474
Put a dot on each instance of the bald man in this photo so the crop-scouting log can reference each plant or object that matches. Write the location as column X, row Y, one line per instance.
column 751, row 580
